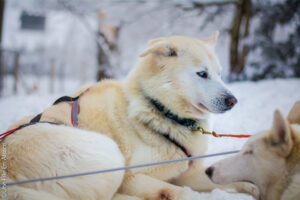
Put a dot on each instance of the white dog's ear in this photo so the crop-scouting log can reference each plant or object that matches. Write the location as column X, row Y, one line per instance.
column 159, row 47
column 280, row 134
column 294, row 115
column 212, row 40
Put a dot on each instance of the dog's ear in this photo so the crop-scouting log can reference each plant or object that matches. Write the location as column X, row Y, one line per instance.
column 159, row 47
column 294, row 115
column 280, row 134
column 212, row 40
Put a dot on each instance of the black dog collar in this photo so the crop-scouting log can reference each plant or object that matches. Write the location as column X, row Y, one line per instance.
column 192, row 124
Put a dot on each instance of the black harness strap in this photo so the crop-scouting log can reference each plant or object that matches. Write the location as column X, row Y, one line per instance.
column 75, row 106
column 65, row 99
column 37, row 118
column 187, row 153
column 42, row 122
column 74, row 109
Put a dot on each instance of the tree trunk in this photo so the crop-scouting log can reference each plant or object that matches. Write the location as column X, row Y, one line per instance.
column 103, row 64
column 238, row 55
column 235, row 37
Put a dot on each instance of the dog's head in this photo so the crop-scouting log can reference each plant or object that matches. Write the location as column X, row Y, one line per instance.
column 262, row 161
column 185, row 75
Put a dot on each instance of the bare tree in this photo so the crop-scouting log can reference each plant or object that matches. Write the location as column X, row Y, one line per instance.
column 238, row 53
column 105, row 38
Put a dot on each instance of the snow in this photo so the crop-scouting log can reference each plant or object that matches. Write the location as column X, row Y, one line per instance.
column 253, row 113
column 218, row 194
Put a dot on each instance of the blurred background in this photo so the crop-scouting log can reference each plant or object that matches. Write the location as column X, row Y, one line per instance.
column 50, row 48
column 52, row 45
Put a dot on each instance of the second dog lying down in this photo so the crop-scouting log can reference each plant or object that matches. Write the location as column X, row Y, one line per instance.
column 270, row 160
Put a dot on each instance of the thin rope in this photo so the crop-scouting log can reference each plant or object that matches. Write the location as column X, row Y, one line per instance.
column 115, row 169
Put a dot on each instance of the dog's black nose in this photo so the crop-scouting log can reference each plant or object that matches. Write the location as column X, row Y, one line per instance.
column 230, row 101
column 209, row 171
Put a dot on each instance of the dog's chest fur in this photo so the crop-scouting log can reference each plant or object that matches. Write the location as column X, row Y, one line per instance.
column 160, row 151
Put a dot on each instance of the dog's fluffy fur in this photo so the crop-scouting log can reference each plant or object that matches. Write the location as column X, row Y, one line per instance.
column 46, row 150
column 270, row 160
column 168, row 71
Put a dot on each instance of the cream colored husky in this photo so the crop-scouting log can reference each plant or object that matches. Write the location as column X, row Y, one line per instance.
column 154, row 116
column 270, row 160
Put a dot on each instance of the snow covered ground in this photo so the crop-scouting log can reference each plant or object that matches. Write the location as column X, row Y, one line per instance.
column 253, row 113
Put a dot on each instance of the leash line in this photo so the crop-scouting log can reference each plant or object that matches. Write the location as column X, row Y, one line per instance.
column 116, row 169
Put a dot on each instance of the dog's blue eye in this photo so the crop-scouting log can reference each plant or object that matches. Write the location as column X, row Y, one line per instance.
column 202, row 74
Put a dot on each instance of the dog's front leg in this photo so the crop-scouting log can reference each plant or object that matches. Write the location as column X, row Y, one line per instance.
column 119, row 196
column 147, row 187
column 196, row 178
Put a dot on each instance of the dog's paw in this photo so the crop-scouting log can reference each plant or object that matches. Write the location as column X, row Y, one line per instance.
column 247, row 188
column 166, row 194
column 184, row 194
column 188, row 194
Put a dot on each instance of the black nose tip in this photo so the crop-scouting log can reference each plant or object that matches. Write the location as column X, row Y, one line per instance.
column 230, row 101
column 209, row 171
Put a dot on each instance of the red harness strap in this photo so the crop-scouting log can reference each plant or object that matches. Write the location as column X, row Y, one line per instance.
column 75, row 110
column 74, row 115
column 7, row 133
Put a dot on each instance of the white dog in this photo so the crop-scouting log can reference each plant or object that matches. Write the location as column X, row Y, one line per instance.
column 270, row 160
column 155, row 115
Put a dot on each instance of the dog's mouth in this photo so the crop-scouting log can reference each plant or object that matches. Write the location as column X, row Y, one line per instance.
column 260, row 194
column 198, row 110
column 202, row 108
column 248, row 181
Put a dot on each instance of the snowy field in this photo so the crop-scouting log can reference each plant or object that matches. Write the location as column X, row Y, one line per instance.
column 253, row 113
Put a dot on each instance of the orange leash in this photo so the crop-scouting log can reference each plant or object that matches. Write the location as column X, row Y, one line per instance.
column 229, row 135
column 213, row 133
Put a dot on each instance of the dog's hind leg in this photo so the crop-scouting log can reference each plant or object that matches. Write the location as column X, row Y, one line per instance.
column 124, row 197
column 22, row 193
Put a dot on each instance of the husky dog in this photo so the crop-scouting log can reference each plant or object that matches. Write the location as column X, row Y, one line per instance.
column 270, row 160
column 156, row 114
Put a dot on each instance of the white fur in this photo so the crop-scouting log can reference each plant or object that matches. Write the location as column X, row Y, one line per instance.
column 53, row 150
